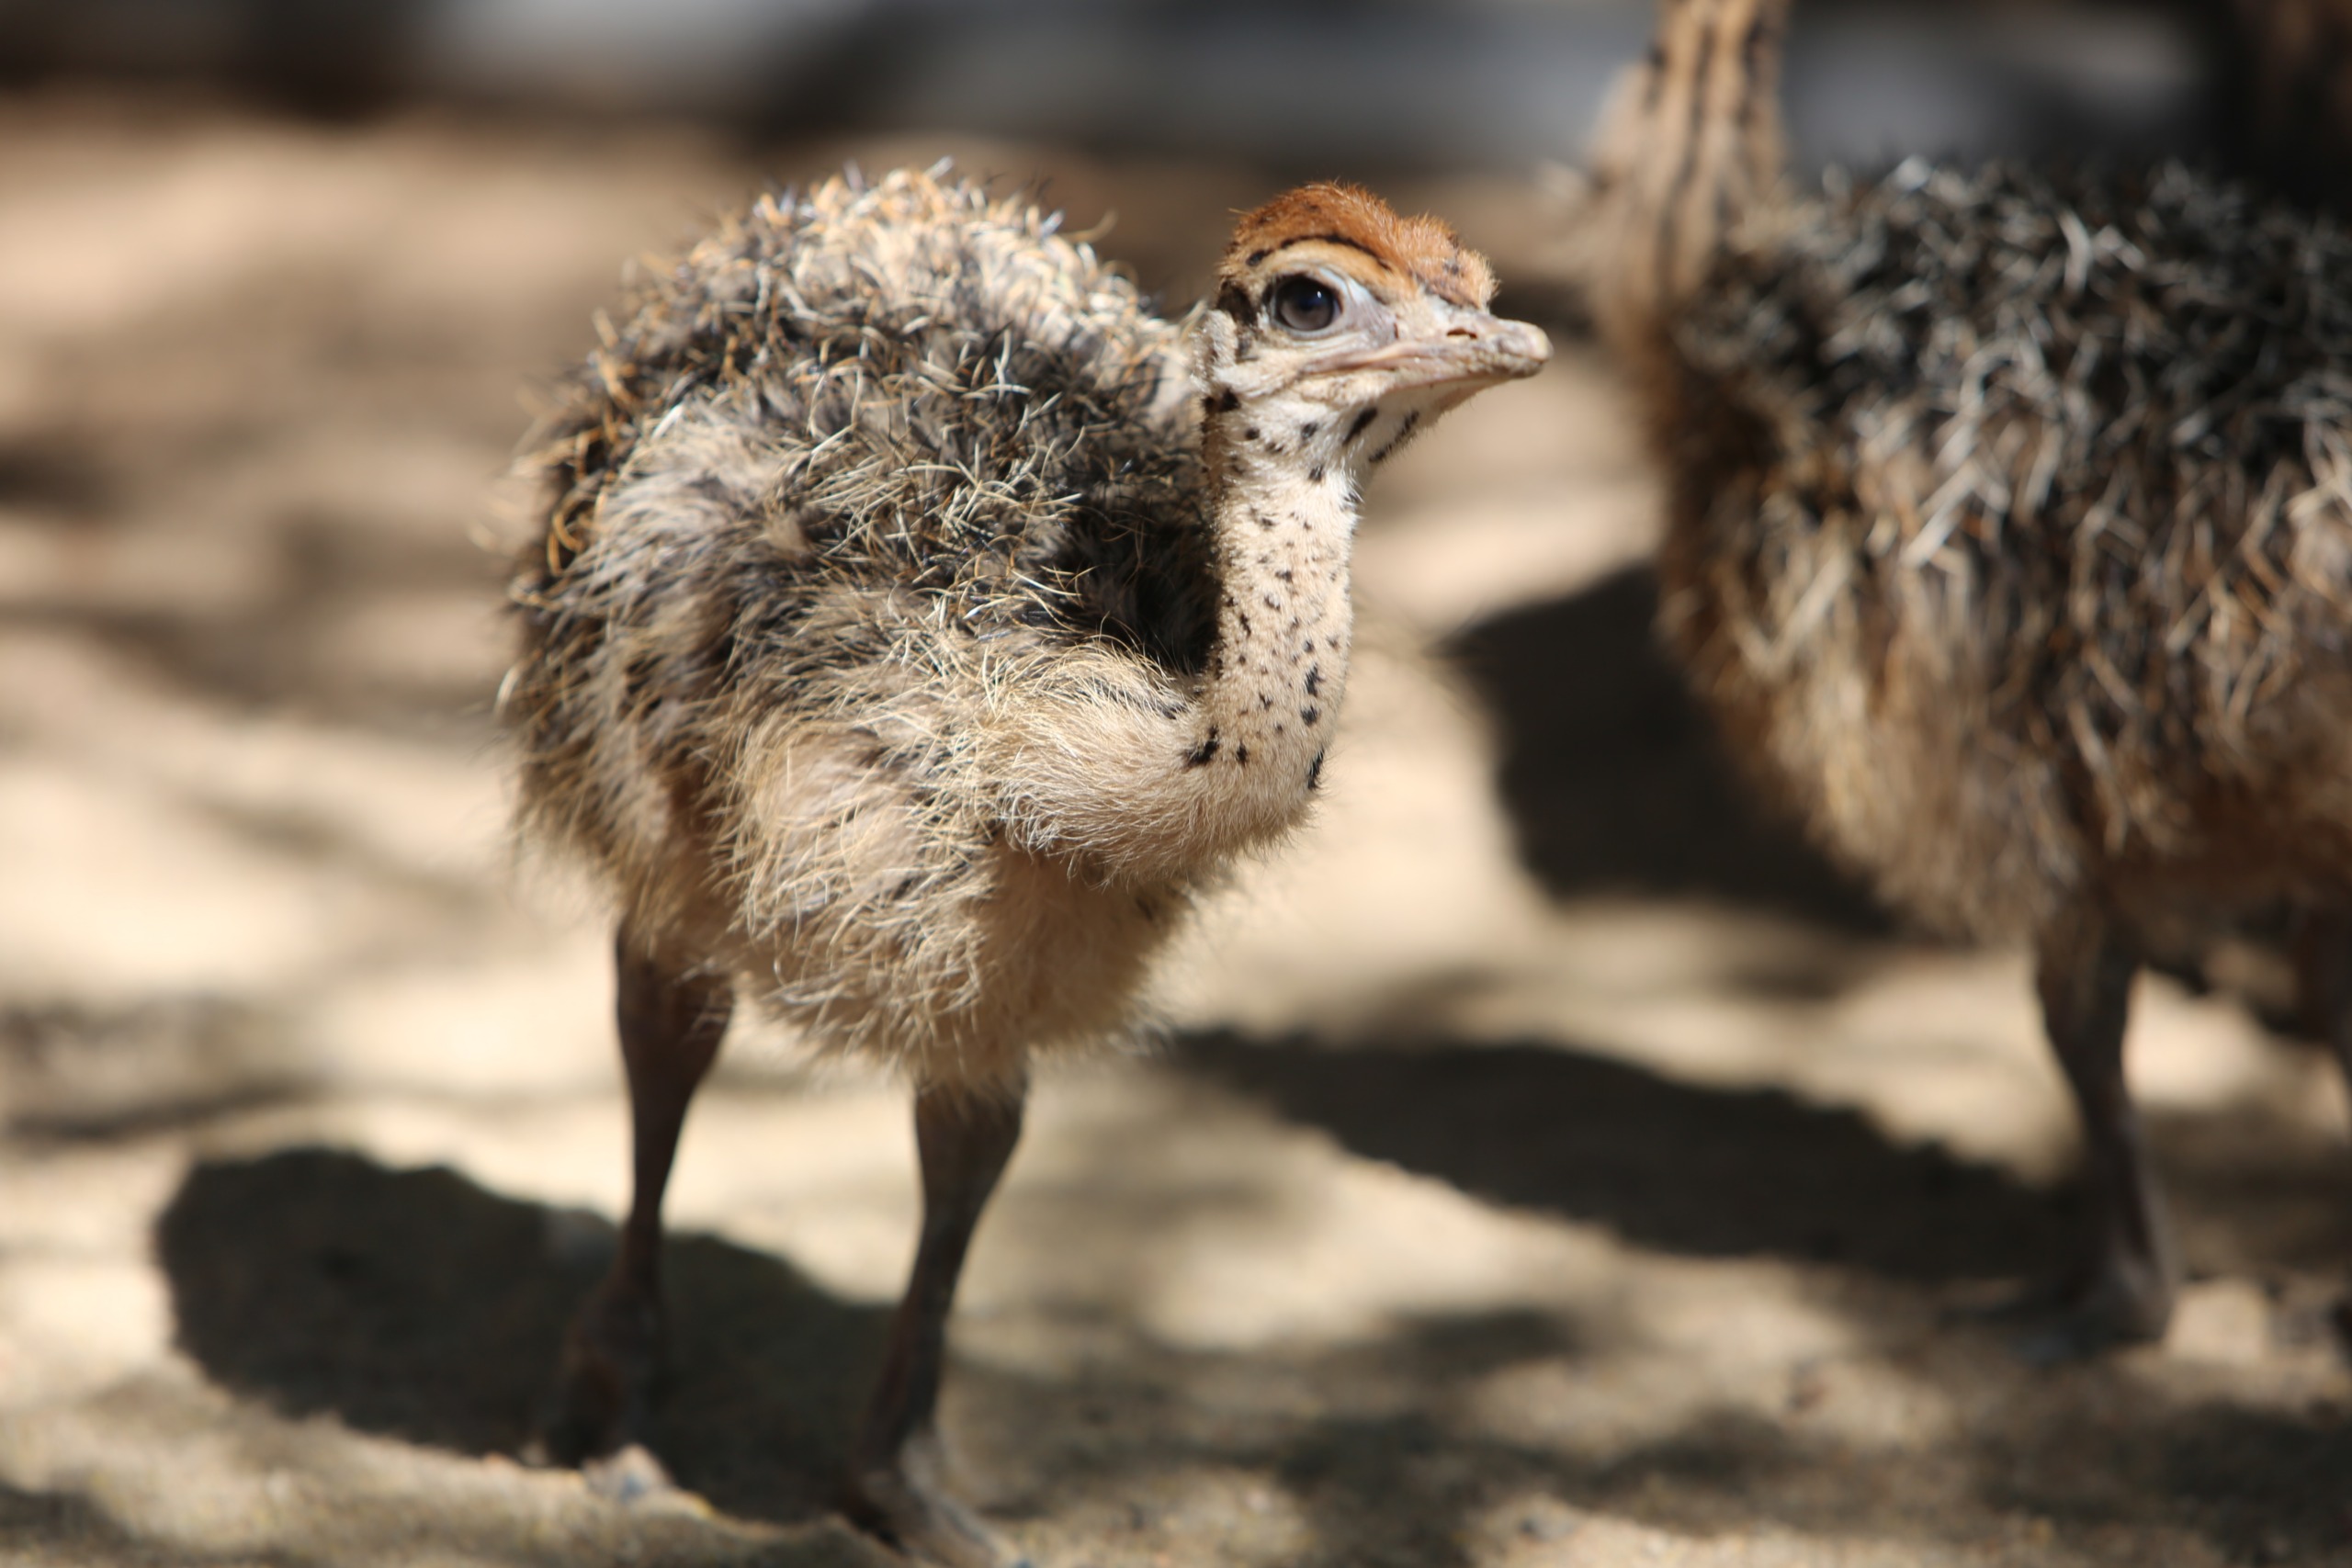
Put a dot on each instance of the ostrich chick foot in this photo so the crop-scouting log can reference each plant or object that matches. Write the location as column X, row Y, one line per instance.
column 907, row 1505
column 603, row 1401
column 2078, row 1320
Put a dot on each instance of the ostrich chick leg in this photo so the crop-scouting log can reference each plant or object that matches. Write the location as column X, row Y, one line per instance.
column 2323, row 954
column 2123, row 1293
column 672, row 1018
column 895, row 1484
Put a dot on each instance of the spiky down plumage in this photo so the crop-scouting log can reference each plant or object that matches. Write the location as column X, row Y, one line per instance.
column 834, row 481
column 2012, row 535
column 918, row 621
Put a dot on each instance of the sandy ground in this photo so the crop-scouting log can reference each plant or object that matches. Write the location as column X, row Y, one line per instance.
column 1547, row 1164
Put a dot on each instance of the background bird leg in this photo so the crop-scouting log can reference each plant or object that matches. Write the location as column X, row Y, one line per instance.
column 897, row 1485
column 672, row 1017
column 2322, row 953
column 2084, row 969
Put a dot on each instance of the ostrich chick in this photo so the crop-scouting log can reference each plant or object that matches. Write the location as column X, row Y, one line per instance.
column 912, row 632
column 2010, row 535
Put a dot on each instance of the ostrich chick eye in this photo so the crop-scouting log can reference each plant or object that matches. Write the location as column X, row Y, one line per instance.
column 1306, row 304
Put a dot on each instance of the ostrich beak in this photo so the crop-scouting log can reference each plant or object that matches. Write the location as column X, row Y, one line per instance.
column 1460, row 348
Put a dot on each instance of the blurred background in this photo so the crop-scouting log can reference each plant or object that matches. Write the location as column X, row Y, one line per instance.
column 1545, row 1160
column 1392, row 84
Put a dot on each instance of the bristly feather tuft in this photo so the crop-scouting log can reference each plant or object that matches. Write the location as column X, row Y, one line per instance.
column 918, row 622
column 2012, row 533
column 854, row 432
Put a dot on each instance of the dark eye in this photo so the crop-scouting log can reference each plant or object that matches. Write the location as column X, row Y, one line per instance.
column 1304, row 304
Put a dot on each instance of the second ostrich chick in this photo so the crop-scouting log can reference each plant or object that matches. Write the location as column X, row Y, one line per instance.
column 2010, row 537
column 912, row 631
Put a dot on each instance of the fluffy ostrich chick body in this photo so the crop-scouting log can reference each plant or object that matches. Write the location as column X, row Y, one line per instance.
column 916, row 625
column 2010, row 537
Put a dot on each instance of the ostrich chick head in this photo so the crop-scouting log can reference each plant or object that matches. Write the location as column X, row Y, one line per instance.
column 1340, row 328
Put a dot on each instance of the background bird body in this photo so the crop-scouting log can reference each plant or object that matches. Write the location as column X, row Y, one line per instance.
column 2055, row 553
column 2009, row 537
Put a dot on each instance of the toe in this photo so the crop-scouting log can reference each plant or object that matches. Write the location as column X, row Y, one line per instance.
column 629, row 1475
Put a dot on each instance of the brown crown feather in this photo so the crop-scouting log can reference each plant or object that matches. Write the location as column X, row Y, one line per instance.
column 1423, row 249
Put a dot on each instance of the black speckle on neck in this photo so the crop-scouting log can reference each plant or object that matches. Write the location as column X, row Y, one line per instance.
column 1310, row 716
column 1201, row 756
column 1315, row 773
column 1412, row 422
column 1360, row 423
column 1313, row 680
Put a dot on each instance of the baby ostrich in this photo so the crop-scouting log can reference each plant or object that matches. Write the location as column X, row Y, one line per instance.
column 2009, row 534
column 913, row 631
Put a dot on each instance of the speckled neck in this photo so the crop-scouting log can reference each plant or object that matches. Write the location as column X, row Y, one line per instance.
column 1283, row 494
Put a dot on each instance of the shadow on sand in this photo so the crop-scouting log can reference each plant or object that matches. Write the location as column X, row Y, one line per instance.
column 1675, row 1167
column 1613, row 776
column 417, row 1304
